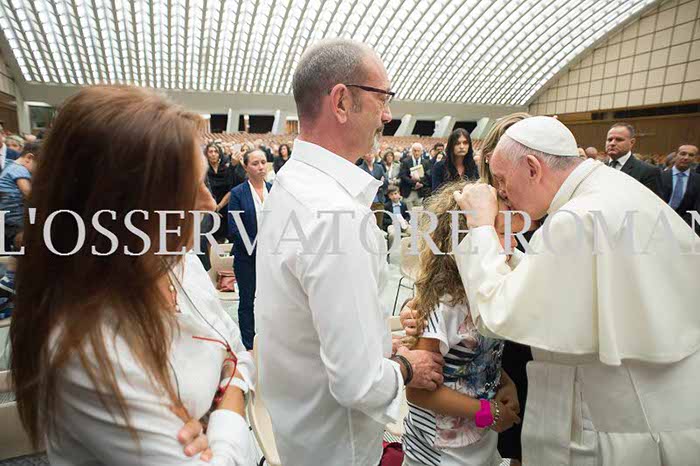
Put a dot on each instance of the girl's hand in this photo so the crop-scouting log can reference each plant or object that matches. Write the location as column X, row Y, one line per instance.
column 507, row 419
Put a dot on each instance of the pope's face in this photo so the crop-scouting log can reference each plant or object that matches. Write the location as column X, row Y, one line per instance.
column 516, row 186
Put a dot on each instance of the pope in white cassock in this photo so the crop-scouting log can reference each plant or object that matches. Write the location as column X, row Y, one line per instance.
column 605, row 296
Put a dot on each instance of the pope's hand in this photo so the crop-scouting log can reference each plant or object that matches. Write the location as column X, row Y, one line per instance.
column 481, row 200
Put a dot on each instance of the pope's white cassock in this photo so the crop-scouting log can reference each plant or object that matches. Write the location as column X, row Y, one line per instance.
column 615, row 336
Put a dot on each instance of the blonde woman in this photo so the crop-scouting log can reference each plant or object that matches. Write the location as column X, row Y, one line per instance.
column 488, row 145
column 458, row 423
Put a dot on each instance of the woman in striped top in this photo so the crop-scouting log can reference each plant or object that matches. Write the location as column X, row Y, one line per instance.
column 440, row 428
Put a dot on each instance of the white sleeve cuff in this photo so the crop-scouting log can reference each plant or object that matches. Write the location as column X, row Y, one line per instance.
column 246, row 366
column 442, row 339
column 228, row 437
column 393, row 411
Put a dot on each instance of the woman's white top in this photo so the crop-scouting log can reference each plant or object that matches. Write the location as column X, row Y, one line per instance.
column 258, row 202
column 85, row 432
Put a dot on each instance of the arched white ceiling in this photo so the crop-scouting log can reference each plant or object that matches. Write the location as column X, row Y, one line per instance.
column 490, row 52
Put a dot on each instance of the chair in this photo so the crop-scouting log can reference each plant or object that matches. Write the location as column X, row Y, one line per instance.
column 13, row 440
column 395, row 324
column 220, row 261
column 408, row 269
column 259, row 418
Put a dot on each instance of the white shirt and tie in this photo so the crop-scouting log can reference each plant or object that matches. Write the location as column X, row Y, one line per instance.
column 619, row 163
column 322, row 332
column 678, row 191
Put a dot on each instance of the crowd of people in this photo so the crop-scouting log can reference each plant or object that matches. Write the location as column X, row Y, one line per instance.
column 124, row 358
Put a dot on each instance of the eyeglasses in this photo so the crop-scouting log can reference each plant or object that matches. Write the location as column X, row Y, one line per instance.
column 389, row 95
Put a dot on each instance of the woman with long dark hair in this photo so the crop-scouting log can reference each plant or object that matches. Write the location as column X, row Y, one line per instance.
column 283, row 154
column 221, row 174
column 114, row 344
column 458, row 162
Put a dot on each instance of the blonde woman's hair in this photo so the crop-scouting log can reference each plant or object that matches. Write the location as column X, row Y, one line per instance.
column 438, row 276
column 488, row 145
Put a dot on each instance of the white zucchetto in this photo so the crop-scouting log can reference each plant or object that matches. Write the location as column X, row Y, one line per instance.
column 544, row 134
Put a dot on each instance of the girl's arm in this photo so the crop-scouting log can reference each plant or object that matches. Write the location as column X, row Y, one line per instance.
column 444, row 400
column 447, row 401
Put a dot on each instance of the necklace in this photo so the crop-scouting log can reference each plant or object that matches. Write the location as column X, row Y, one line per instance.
column 173, row 294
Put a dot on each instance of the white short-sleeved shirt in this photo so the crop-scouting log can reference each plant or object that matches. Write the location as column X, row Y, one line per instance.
column 472, row 367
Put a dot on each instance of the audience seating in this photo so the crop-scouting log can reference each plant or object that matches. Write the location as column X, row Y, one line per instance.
column 221, row 261
column 269, row 139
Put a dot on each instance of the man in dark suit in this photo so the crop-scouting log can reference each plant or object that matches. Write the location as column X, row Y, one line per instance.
column 680, row 186
column 618, row 146
column 414, row 188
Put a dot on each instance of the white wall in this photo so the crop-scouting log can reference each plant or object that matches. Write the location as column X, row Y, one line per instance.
column 654, row 60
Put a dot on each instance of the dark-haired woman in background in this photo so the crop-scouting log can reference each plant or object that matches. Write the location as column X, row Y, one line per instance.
column 115, row 346
column 458, row 162
column 221, row 176
column 283, row 155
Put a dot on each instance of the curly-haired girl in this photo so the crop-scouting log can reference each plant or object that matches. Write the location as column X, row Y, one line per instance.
column 457, row 423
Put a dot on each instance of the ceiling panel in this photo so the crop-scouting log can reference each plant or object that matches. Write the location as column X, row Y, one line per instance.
column 496, row 52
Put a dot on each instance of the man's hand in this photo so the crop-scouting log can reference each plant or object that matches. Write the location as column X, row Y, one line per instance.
column 192, row 437
column 395, row 343
column 427, row 368
column 419, row 185
column 409, row 320
column 481, row 200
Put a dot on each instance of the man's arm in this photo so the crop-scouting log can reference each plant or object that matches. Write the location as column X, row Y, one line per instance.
column 348, row 319
column 405, row 174
column 652, row 179
column 25, row 186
